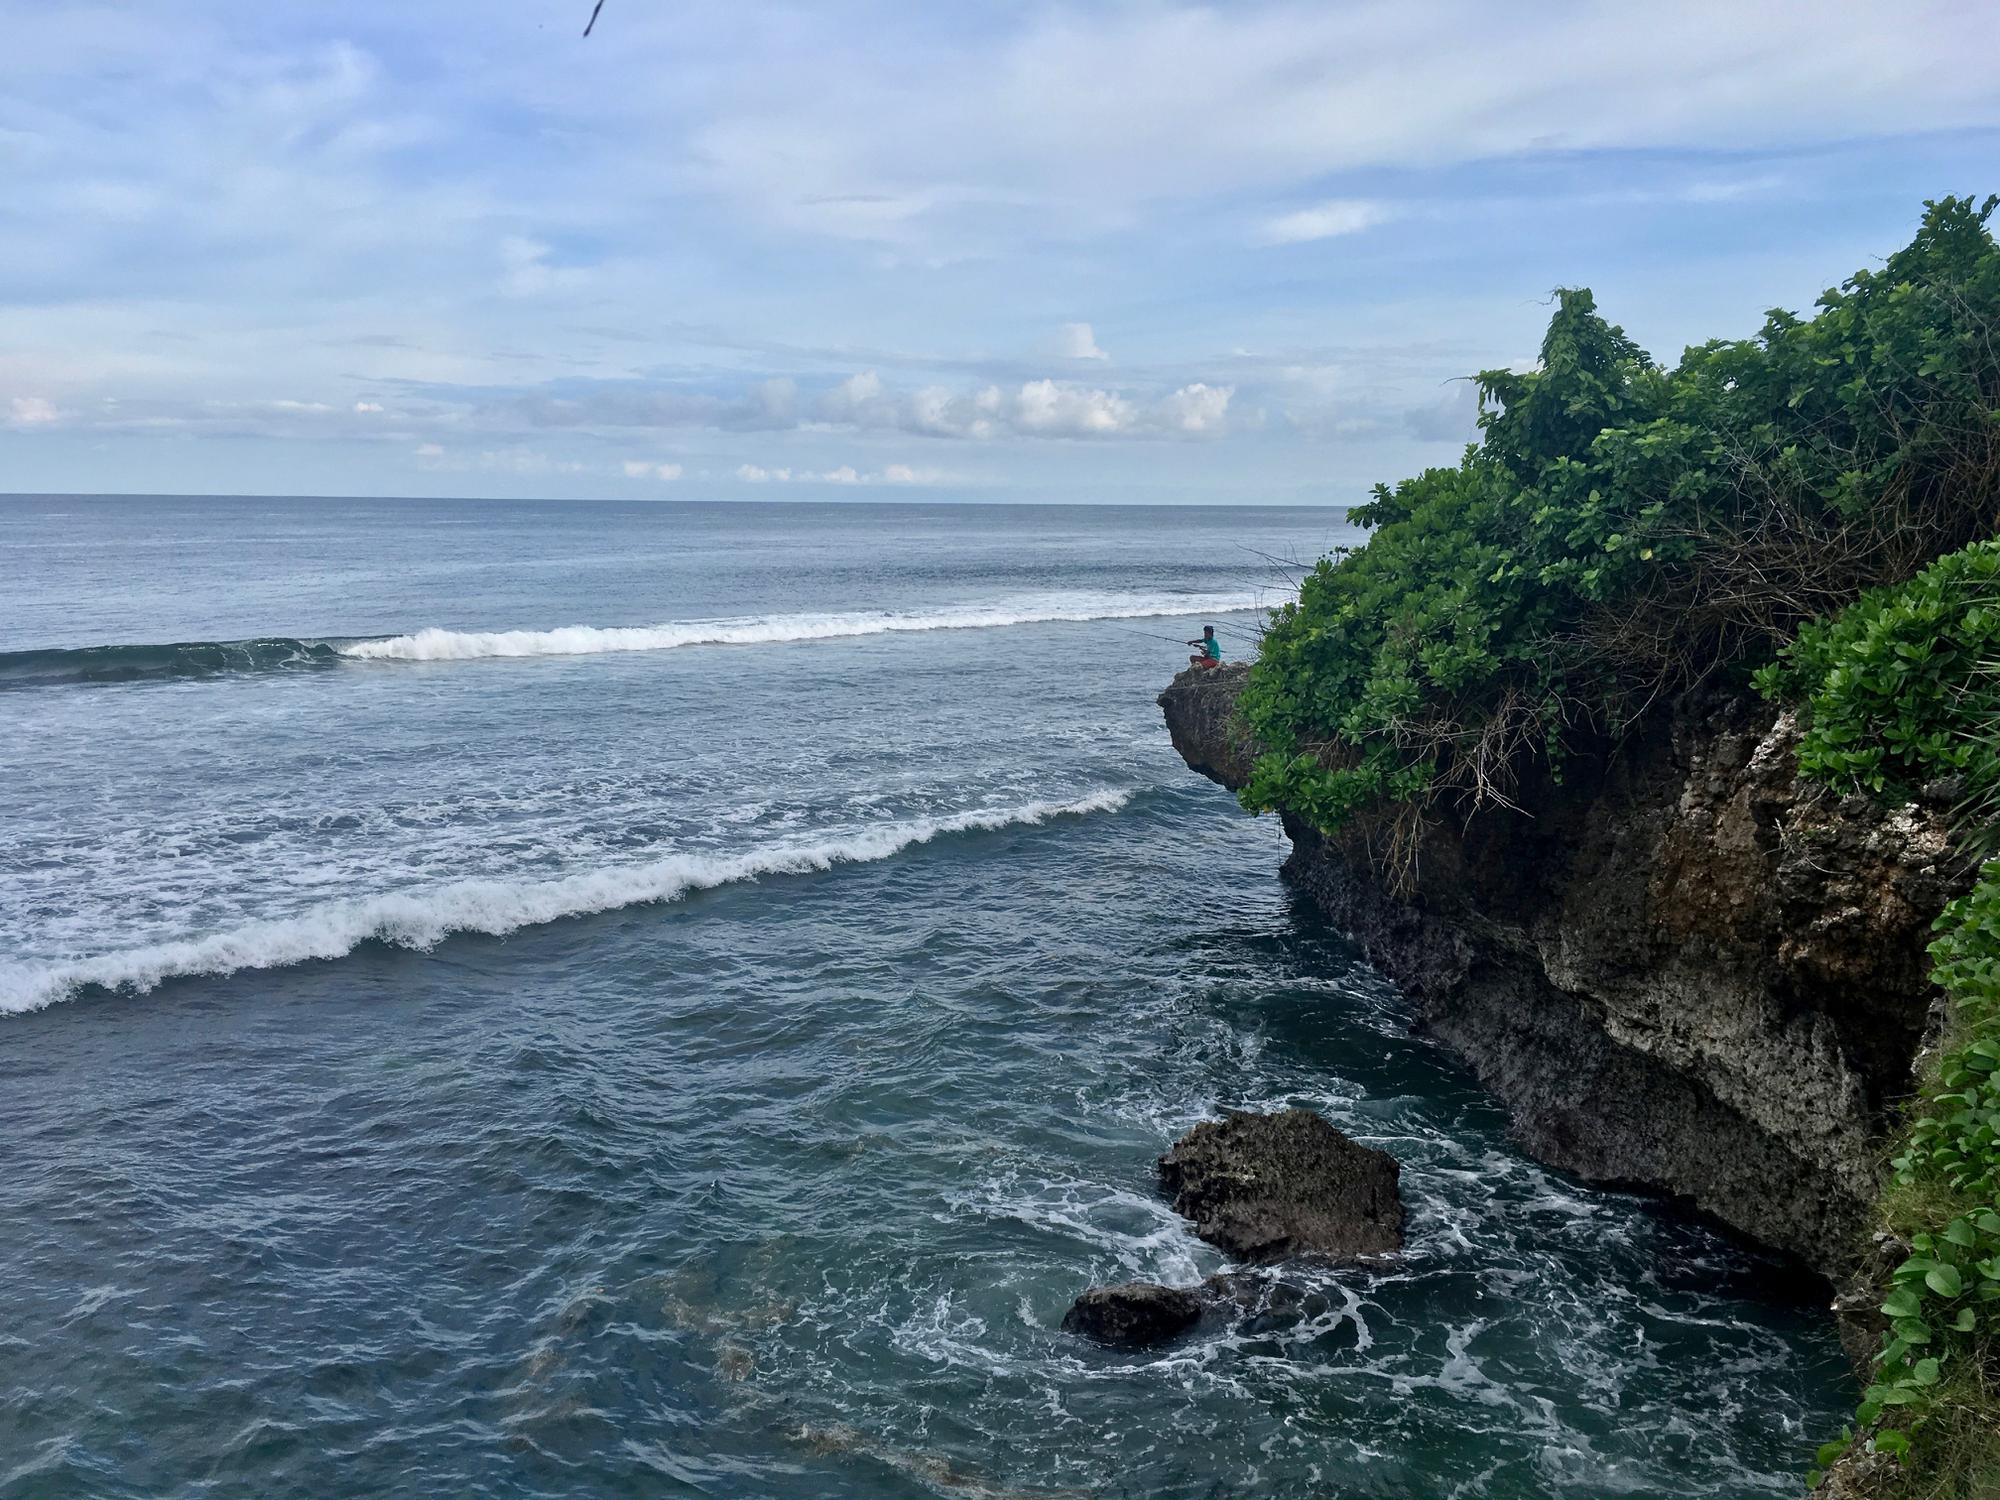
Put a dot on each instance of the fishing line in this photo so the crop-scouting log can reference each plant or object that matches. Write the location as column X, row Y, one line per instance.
column 1151, row 635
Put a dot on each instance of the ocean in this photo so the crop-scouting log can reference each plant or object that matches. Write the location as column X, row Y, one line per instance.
column 562, row 999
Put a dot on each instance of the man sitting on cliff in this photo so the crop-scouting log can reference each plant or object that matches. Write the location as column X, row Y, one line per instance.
column 1210, row 654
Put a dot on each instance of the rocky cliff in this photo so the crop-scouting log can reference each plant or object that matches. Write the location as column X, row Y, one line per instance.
column 1680, row 969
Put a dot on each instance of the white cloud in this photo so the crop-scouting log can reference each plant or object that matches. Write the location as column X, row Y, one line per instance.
column 641, row 468
column 1044, row 408
column 1014, row 132
column 1323, row 221
column 1077, row 341
column 392, row 232
column 1197, row 408
column 1054, row 410
column 526, row 269
column 32, row 411
column 843, row 474
column 528, row 418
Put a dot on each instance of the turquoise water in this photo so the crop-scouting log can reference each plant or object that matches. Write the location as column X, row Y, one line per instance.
column 453, row 1047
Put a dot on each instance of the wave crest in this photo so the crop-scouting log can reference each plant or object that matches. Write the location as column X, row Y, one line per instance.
column 86, row 664
column 423, row 918
column 759, row 630
column 71, row 666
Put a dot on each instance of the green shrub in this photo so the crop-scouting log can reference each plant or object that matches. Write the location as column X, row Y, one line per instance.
column 1900, row 688
column 1622, row 531
column 1931, row 1401
column 1955, row 1140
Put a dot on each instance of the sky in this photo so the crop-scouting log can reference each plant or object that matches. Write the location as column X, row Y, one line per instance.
column 1092, row 252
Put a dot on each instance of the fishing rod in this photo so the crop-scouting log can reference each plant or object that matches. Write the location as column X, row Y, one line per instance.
column 1151, row 635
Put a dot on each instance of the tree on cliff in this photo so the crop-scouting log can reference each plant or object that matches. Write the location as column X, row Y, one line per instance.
column 1623, row 532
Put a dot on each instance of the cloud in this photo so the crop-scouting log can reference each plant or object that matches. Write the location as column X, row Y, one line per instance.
column 1051, row 410
column 642, row 468
column 1046, row 408
column 1076, row 341
column 1010, row 132
column 32, row 411
column 765, row 406
column 1043, row 408
column 844, row 474
column 1197, row 409
column 528, row 271
column 1323, row 221
column 456, row 231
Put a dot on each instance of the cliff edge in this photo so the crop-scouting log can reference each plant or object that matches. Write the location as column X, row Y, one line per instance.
column 1680, row 969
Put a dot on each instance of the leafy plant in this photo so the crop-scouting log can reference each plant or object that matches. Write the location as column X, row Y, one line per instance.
column 1896, row 686
column 1622, row 531
column 1943, row 1304
column 1898, row 690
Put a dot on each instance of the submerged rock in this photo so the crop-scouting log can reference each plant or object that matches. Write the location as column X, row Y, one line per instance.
column 1133, row 1314
column 1260, row 1303
column 1263, row 1187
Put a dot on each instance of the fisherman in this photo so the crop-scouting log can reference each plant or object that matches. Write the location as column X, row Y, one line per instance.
column 1210, row 654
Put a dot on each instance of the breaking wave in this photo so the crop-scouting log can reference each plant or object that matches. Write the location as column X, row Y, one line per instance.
column 143, row 663
column 423, row 918
column 589, row 640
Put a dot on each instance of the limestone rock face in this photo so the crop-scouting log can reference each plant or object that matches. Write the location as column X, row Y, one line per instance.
column 1133, row 1314
column 1681, row 969
column 1267, row 1187
column 1201, row 717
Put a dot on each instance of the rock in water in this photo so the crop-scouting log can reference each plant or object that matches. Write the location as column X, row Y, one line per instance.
column 1264, row 1187
column 1133, row 1314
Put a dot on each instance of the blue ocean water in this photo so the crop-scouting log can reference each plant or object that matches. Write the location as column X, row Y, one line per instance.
column 554, row 999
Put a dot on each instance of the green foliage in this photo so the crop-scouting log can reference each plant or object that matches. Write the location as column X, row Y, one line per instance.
column 1955, row 1139
column 1898, row 685
column 1899, row 689
column 1623, row 530
column 1931, row 1402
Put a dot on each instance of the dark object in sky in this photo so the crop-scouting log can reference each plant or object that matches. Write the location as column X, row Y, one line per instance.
column 593, row 17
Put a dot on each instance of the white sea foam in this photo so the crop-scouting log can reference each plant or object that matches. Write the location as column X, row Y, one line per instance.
column 754, row 630
column 422, row 918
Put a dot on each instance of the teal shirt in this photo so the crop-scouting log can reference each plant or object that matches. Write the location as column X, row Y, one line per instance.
column 1213, row 647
